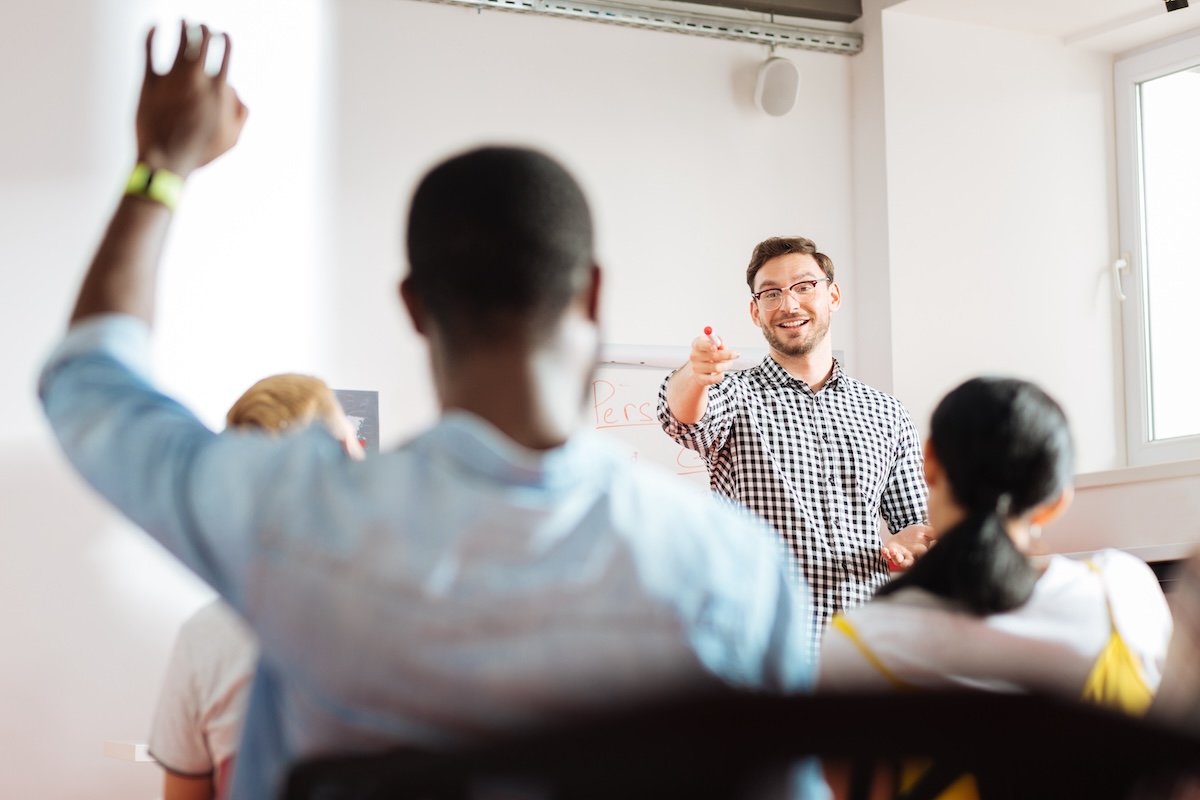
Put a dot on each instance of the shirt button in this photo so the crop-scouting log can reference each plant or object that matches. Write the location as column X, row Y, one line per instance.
column 831, row 480
column 824, row 437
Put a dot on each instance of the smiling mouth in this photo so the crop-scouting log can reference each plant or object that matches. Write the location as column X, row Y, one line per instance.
column 793, row 324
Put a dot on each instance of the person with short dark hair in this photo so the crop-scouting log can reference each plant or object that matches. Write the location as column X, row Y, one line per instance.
column 814, row 452
column 977, row 611
column 501, row 570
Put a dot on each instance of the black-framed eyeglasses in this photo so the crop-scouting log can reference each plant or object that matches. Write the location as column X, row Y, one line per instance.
column 771, row 299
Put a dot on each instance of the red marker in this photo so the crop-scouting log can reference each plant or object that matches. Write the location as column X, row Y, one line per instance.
column 712, row 337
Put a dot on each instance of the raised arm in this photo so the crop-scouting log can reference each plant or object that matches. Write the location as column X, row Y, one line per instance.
column 140, row 449
column 185, row 119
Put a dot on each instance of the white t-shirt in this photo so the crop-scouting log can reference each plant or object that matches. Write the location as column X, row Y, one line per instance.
column 1049, row 644
column 198, row 721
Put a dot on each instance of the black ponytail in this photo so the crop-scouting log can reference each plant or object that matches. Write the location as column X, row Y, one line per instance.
column 975, row 564
column 1004, row 448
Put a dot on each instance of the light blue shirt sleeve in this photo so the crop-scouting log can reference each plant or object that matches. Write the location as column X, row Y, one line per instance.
column 746, row 619
column 154, row 460
column 775, row 631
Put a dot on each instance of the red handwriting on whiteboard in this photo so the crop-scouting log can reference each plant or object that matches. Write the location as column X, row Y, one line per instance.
column 613, row 410
column 690, row 462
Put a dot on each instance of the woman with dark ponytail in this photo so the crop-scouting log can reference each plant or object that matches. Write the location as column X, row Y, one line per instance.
column 977, row 611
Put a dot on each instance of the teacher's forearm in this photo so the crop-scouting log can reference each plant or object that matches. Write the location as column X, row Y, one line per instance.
column 687, row 399
column 123, row 276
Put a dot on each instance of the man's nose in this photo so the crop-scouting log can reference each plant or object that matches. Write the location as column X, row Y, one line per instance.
column 790, row 300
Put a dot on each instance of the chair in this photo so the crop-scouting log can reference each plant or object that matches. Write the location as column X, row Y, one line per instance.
column 737, row 746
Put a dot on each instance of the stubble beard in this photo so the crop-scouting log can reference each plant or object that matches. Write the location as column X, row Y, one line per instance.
column 818, row 330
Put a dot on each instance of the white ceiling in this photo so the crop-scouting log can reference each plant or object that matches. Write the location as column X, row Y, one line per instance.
column 1110, row 26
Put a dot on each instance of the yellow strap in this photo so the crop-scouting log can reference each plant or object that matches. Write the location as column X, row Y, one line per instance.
column 1116, row 679
column 911, row 770
column 840, row 622
column 964, row 787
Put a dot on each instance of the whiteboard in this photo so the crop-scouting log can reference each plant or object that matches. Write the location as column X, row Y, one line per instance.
column 624, row 405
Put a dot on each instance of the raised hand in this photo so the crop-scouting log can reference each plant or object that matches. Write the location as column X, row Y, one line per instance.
column 187, row 117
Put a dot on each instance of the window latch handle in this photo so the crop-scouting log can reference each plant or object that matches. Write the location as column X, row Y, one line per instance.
column 1119, row 266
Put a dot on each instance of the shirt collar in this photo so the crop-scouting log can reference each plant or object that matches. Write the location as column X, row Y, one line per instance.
column 779, row 376
column 482, row 448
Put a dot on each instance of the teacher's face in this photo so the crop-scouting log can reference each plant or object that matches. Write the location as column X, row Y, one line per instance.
column 801, row 322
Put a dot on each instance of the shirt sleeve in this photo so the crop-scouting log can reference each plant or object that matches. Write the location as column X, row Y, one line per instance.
column 201, row 495
column 789, row 657
column 708, row 435
column 760, row 606
column 177, row 736
column 906, row 497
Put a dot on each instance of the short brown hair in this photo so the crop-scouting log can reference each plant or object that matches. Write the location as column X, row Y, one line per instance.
column 283, row 401
column 517, row 211
column 765, row 250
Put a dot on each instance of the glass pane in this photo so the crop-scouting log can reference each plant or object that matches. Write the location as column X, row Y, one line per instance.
column 1170, row 116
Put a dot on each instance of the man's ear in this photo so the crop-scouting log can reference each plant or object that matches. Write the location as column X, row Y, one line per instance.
column 592, row 293
column 835, row 296
column 933, row 467
column 754, row 312
column 1046, row 513
column 416, row 311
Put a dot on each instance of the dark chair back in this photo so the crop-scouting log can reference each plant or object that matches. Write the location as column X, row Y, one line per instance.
column 736, row 746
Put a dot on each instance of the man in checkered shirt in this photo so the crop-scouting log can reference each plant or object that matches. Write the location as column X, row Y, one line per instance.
column 796, row 440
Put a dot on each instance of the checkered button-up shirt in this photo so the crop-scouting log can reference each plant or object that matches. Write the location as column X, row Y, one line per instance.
column 820, row 467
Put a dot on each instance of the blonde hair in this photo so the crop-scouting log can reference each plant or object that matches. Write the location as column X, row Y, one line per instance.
column 283, row 401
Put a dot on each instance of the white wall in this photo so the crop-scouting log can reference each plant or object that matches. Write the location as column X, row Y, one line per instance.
column 285, row 256
column 90, row 606
column 870, row 283
column 684, row 174
column 1000, row 183
column 1152, row 511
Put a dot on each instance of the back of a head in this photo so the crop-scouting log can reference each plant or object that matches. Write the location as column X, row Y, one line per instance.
column 498, row 239
column 283, row 401
column 1005, row 448
column 1002, row 436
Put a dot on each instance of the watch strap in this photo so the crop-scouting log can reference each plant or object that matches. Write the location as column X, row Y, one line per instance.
column 160, row 185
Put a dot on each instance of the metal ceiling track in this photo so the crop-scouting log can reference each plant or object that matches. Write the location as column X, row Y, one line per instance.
column 712, row 26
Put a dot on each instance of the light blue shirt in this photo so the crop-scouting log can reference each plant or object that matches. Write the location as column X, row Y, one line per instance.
column 455, row 589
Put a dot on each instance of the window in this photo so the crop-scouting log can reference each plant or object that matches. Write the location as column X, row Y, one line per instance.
column 1158, row 159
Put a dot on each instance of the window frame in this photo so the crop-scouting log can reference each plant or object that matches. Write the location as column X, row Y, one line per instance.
column 1154, row 61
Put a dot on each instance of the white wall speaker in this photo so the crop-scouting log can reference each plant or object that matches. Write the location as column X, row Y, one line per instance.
column 778, row 83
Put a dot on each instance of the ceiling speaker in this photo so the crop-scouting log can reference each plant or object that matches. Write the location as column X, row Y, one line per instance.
column 778, row 82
